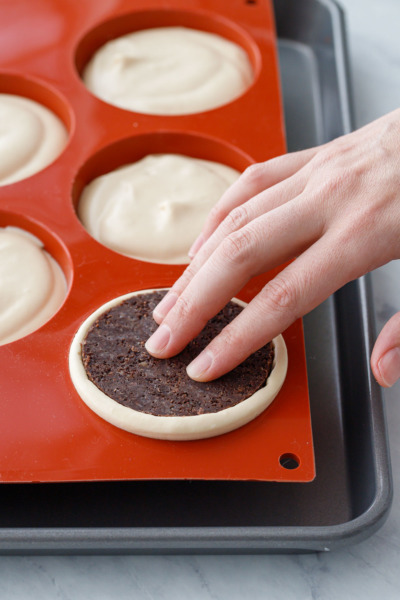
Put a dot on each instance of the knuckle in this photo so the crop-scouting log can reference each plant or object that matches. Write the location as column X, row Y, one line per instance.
column 236, row 247
column 189, row 272
column 331, row 186
column 331, row 192
column 184, row 308
column 280, row 295
column 216, row 216
column 325, row 158
column 333, row 150
column 333, row 161
column 236, row 219
column 253, row 173
column 185, row 278
column 230, row 337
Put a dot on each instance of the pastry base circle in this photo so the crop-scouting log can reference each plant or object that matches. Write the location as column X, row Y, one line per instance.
column 169, row 71
column 32, row 284
column 193, row 427
column 154, row 209
column 31, row 137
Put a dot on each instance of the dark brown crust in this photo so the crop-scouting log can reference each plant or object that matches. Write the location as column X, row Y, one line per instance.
column 117, row 362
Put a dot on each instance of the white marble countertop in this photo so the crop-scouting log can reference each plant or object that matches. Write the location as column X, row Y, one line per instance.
column 368, row 570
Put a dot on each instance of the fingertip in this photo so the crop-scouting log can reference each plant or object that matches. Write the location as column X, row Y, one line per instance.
column 378, row 377
column 387, row 368
column 197, row 244
column 163, row 307
column 157, row 318
column 200, row 368
column 157, row 344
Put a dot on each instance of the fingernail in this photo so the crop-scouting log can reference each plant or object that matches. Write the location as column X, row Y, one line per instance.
column 197, row 244
column 200, row 365
column 159, row 340
column 389, row 366
column 163, row 307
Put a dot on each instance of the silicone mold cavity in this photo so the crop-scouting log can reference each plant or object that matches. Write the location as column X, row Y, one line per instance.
column 43, row 93
column 51, row 242
column 142, row 20
column 132, row 149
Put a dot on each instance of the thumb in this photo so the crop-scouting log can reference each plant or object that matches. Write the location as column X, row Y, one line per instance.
column 385, row 357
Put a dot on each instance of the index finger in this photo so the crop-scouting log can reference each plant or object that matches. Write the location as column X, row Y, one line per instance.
column 299, row 288
column 262, row 244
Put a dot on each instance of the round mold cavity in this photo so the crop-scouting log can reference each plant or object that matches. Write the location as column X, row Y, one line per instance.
column 129, row 151
column 47, row 97
column 142, row 20
column 129, row 376
column 53, row 246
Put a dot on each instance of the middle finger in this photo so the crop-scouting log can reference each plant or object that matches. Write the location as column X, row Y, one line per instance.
column 260, row 204
column 258, row 247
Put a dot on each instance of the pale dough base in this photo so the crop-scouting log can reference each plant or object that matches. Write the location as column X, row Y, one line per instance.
column 172, row 428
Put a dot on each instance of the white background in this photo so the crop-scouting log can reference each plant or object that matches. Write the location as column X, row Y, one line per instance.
column 369, row 570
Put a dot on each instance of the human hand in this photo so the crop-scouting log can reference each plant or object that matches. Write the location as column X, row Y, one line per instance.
column 334, row 209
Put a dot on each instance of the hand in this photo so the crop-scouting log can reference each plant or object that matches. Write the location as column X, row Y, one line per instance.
column 334, row 209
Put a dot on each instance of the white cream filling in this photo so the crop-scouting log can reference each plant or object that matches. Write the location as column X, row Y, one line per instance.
column 32, row 284
column 169, row 71
column 155, row 208
column 31, row 137
column 171, row 428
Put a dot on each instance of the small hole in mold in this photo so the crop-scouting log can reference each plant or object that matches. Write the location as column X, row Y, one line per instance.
column 289, row 461
column 251, row 2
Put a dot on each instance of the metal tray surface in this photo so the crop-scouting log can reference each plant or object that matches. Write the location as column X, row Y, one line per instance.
column 351, row 494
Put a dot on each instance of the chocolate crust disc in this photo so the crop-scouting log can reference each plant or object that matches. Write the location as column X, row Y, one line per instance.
column 117, row 379
column 117, row 362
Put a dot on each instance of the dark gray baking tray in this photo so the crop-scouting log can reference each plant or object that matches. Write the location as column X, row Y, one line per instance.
column 351, row 495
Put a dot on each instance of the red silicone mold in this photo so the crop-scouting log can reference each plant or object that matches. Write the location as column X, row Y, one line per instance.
column 46, row 432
